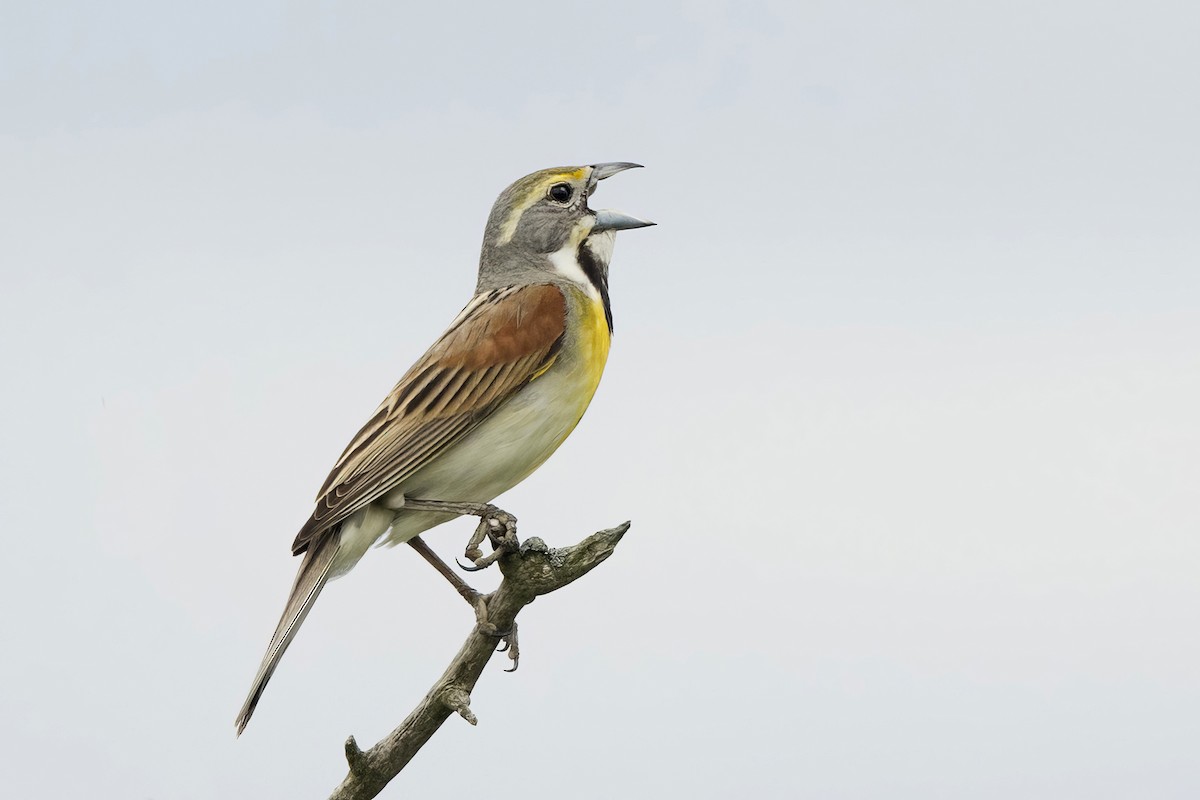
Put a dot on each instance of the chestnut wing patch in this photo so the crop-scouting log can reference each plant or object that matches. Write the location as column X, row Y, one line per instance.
column 503, row 339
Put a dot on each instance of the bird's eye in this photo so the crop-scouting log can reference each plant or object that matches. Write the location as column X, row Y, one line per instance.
column 560, row 192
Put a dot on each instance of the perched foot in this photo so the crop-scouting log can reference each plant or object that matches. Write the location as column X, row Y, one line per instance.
column 498, row 526
column 509, row 645
column 508, row 638
column 482, row 624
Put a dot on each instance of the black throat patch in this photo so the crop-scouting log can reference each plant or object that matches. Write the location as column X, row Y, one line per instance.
column 598, row 275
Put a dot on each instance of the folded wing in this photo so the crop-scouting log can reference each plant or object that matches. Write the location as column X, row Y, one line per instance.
column 502, row 340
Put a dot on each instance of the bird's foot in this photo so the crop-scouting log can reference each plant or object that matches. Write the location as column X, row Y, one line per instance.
column 479, row 603
column 508, row 644
column 496, row 525
column 500, row 528
column 508, row 638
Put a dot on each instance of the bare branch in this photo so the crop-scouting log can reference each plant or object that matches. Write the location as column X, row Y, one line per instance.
column 532, row 571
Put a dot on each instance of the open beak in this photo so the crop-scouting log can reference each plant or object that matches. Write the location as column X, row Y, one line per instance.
column 608, row 219
column 602, row 171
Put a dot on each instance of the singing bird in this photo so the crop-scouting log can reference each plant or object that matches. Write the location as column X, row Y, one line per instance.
column 494, row 396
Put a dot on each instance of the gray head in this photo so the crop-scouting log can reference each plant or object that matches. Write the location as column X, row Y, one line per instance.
column 542, row 221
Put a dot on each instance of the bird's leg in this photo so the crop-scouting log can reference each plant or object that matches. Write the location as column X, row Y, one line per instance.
column 473, row 597
column 477, row 601
column 498, row 526
column 501, row 529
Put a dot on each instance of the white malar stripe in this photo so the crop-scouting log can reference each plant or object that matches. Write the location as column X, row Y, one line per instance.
column 601, row 245
column 566, row 264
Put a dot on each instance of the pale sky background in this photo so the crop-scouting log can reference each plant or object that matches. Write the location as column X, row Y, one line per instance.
column 904, row 401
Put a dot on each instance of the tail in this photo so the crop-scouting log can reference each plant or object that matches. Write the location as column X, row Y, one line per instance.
column 310, row 580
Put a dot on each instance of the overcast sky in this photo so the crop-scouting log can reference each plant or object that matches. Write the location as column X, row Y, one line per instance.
column 903, row 400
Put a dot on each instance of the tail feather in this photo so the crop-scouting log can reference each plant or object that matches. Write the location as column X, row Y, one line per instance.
column 310, row 580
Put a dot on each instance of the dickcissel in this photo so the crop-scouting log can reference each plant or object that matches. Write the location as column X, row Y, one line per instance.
column 494, row 396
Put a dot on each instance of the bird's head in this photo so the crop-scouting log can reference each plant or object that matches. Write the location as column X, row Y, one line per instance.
column 540, row 223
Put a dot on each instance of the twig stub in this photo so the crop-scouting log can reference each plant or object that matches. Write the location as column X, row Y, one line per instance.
column 457, row 700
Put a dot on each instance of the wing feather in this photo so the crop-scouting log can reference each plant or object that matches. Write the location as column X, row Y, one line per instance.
column 502, row 340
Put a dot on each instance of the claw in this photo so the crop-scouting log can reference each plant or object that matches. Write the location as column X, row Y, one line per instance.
column 512, row 648
column 468, row 567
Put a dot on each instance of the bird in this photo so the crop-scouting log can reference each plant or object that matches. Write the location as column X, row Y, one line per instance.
column 488, row 402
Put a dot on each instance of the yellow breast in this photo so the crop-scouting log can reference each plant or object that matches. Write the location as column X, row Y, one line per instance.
column 576, row 373
column 594, row 337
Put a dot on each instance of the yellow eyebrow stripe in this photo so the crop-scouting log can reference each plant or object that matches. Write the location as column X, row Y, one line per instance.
column 535, row 193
